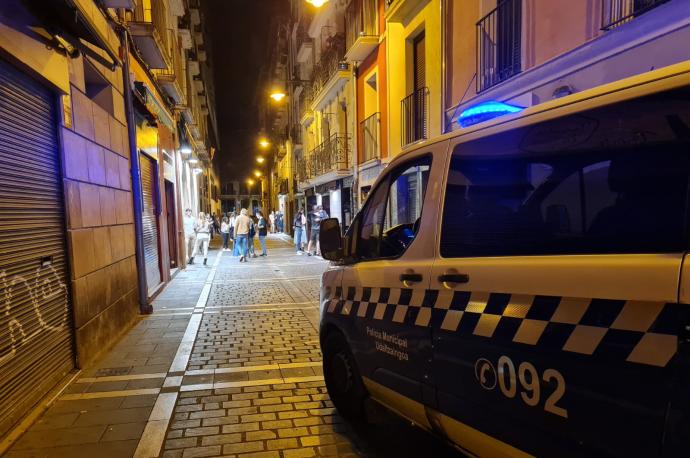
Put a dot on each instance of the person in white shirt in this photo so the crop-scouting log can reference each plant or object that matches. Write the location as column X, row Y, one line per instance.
column 203, row 237
column 189, row 234
column 225, row 232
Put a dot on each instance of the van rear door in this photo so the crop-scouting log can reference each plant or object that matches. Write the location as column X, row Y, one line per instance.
column 557, row 322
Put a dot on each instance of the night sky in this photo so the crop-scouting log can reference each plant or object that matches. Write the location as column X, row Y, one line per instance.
column 239, row 36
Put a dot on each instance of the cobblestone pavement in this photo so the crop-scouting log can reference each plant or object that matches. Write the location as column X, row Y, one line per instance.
column 228, row 365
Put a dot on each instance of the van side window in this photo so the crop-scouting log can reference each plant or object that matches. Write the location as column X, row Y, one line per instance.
column 391, row 218
column 517, row 193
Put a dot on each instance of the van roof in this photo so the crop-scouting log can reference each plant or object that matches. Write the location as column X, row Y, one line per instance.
column 663, row 79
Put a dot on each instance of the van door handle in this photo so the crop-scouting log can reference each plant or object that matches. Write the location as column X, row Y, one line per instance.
column 411, row 278
column 454, row 278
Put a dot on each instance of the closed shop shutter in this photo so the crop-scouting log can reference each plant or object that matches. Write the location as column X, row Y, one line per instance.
column 36, row 348
column 150, row 222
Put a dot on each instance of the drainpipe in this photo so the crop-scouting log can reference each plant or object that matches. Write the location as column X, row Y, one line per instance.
column 354, row 200
column 137, row 196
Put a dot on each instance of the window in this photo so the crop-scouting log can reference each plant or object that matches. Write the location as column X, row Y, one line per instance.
column 614, row 180
column 390, row 220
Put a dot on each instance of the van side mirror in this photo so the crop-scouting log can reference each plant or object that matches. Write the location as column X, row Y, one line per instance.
column 330, row 240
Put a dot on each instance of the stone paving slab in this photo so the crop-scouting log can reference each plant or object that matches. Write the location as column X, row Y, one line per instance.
column 252, row 386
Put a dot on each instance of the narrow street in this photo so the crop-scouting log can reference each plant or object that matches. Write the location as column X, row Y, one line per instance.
column 228, row 365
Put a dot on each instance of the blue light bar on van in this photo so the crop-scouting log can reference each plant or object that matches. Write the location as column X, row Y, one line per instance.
column 485, row 111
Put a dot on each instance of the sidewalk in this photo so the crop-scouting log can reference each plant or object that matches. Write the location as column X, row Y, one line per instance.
column 227, row 365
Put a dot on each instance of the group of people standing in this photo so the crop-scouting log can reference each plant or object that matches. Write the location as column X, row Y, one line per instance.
column 307, row 228
column 276, row 222
column 241, row 229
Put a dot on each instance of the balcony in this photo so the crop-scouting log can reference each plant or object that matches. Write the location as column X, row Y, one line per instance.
column 329, row 160
column 305, row 46
column 361, row 23
column 415, row 116
column 301, row 170
column 148, row 27
column 305, row 102
column 331, row 72
column 618, row 12
column 174, row 79
column 370, row 133
column 499, row 44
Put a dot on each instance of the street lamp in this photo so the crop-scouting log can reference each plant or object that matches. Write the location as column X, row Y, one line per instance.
column 264, row 143
column 278, row 95
column 192, row 161
column 317, row 3
column 260, row 159
column 185, row 150
column 257, row 174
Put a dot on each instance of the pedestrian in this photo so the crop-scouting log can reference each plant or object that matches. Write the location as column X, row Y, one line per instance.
column 252, row 235
column 189, row 234
column 231, row 226
column 272, row 219
column 262, row 225
column 225, row 233
column 242, row 224
column 202, row 227
column 298, row 227
column 279, row 221
column 316, row 216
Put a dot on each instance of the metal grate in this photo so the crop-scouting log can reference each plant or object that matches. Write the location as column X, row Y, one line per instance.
column 499, row 44
column 618, row 12
column 415, row 116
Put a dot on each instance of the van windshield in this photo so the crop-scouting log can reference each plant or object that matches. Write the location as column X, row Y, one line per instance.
column 610, row 180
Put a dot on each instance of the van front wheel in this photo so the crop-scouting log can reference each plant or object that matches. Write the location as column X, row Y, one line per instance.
column 343, row 381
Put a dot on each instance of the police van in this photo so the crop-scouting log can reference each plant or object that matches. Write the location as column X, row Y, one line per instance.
column 520, row 287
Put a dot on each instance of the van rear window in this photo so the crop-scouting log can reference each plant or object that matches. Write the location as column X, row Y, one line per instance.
column 611, row 180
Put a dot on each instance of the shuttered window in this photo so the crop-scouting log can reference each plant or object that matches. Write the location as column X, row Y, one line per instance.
column 36, row 349
column 150, row 222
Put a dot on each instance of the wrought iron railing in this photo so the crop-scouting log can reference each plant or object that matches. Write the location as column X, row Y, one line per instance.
column 415, row 116
column 331, row 62
column 176, row 74
column 370, row 133
column 618, row 12
column 306, row 97
column 499, row 44
column 329, row 156
column 361, row 20
column 301, row 170
column 153, row 12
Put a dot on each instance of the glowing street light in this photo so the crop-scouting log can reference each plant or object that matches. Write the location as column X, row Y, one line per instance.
column 250, row 182
column 192, row 161
column 186, row 150
column 260, row 159
column 317, row 3
column 264, row 143
column 278, row 95
column 257, row 174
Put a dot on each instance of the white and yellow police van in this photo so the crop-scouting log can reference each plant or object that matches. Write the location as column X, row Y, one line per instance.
column 520, row 287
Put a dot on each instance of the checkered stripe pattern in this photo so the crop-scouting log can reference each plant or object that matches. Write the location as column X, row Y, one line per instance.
column 635, row 331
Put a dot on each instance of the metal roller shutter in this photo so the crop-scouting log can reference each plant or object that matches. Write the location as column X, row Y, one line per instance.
column 150, row 222
column 36, row 348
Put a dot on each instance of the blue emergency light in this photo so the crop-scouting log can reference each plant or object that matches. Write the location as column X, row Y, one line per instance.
column 485, row 111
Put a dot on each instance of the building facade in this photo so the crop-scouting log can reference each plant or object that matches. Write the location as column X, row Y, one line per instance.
column 367, row 79
column 96, row 126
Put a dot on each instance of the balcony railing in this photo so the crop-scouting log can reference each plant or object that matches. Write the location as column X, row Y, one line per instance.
column 618, row 12
column 174, row 77
column 499, row 44
column 301, row 170
column 153, row 12
column 331, row 62
column 370, row 132
column 329, row 156
column 415, row 116
column 361, row 20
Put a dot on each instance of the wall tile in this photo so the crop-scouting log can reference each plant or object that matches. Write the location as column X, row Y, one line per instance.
column 82, row 109
column 108, row 206
column 119, row 107
column 76, row 72
column 123, row 207
column 132, row 280
column 82, row 251
column 115, row 136
column 125, row 176
column 112, row 169
column 114, row 291
column 74, row 148
column 101, row 126
column 98, row 291
column 117, row 243
column 73, row 204
column 128, row 235
column 96, row 163
column 90, row 205
column 125, row 140
column 80, row 302
column 102, row 249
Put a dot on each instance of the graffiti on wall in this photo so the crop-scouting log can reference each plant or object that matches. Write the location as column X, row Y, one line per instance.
column 41, row 288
